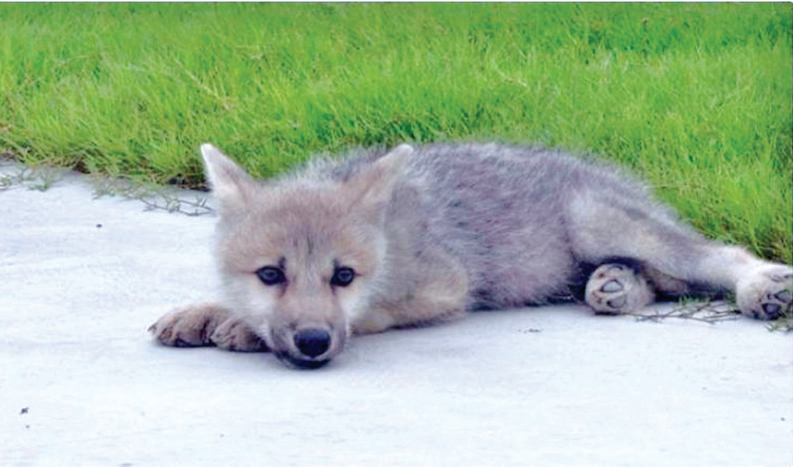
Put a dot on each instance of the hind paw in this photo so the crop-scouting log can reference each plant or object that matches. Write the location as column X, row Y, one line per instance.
column 766, row 293
column 616, row 289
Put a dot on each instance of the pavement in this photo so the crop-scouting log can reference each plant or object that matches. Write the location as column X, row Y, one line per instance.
column 82, row 383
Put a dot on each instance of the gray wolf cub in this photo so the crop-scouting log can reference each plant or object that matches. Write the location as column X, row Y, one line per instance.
column 414, row 236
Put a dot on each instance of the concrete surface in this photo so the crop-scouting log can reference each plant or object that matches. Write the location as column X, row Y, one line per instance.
column 81, row 382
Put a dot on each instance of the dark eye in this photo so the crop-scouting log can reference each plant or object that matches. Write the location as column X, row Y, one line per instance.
column 271, row 275
column 342, row 277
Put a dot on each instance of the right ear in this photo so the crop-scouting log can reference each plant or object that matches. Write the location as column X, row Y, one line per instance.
column 231, row 186
column 376, row 183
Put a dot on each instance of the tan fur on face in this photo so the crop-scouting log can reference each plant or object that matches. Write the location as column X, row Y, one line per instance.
column 308, row 232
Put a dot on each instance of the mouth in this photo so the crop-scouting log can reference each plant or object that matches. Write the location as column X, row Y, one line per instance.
column 301, row 363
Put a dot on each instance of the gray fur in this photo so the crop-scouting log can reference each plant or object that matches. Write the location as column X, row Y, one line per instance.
column 440, row 229
column 505, row 212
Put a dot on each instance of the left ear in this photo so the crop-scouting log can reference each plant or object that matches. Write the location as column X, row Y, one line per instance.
column 373, row 187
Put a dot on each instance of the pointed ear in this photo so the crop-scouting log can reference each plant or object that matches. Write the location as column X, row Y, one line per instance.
column 231, row 186
column 373, row 186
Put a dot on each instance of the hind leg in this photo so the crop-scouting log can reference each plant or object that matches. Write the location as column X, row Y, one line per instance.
column 616, row 288
column 763, row 290
column 603, row 226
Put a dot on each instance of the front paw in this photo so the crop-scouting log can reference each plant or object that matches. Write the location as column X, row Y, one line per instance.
column 766, row 293
column 206, row 324
column 190, row 326
column 235, row 335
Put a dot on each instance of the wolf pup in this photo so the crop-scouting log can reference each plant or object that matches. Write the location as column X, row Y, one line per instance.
column 419, row 235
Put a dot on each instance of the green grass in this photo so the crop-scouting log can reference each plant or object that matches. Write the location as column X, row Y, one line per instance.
column 694, row 97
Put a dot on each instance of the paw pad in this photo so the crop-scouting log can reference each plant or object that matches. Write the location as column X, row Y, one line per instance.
column 611, row 286
column 767, row 293
column 618, row 302
column 614, row 289
column 784, row 296
column 771, row 310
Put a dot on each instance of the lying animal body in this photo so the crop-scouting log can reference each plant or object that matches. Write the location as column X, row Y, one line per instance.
column 414, row 236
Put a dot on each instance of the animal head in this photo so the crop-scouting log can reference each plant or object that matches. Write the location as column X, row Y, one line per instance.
column 300, row 257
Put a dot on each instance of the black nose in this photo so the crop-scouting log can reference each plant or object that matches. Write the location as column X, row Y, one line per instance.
column 312, row 342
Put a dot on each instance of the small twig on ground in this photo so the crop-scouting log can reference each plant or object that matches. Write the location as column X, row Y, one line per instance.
column 41, row 178
column 174, row 204
column 152, row 196
column 710, row 312
column 8, row 181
